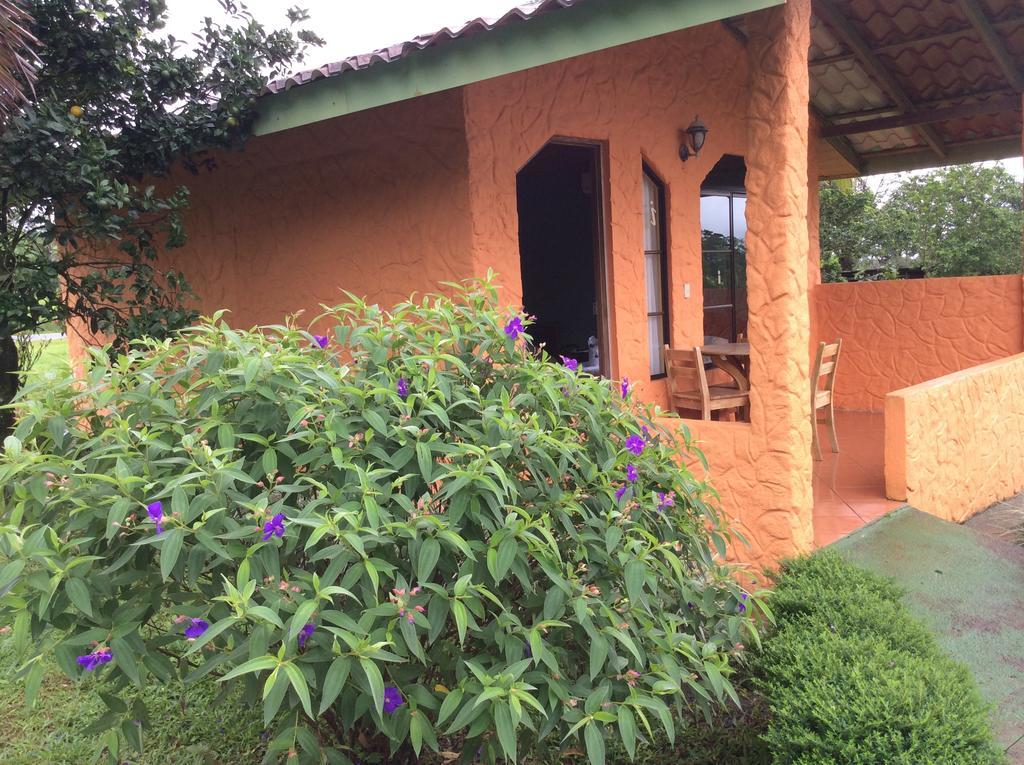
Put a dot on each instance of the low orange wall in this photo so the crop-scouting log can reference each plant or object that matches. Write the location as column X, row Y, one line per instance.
column 901, row 333
column 955, row 445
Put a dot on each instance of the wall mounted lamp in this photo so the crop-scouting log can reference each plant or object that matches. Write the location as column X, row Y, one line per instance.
column 693, row 139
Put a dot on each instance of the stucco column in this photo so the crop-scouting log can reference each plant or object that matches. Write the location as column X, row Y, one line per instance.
column 777, row 266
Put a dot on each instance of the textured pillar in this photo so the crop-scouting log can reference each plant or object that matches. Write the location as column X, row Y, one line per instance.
column 777, row 264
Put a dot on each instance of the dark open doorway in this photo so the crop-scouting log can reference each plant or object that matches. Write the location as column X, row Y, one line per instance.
column 561, row 251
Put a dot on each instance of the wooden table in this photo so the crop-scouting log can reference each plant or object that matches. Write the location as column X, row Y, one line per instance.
column 733, row 359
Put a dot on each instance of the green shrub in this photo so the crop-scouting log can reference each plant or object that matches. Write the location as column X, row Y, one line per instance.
column 851, row 678
column 441, row 535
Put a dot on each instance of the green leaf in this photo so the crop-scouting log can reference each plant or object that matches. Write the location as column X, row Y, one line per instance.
column 125, row 658
column 334, row 682
column 211, row 633
column 506, row 555
column 78, row 593
column 169, row 551
column 598, row 654
column 627, row 730
column 449, row 705
column 298, row 682
column 301, row 617
column 636, row 572
column 594, row 739
column 9, row 573
column 416, row 731
column 32, row 682
column 506, row 730
column 253, row 665
column 461, row 617
column 375, row 681
column 429, row 553
column 266, row 615
column 270, row 461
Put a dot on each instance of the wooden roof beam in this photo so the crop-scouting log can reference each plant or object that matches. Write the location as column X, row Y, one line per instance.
column 911, row 119
column 889, row 111
column 840, row 143
column 866, row 57
column 994, row 43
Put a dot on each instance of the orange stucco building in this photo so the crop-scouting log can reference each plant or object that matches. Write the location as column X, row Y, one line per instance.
column 546, row 146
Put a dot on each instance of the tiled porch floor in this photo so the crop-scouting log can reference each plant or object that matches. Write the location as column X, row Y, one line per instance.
column 849, row 487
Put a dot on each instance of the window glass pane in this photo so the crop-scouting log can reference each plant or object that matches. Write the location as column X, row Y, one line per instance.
column 652, row 215
column 652, row 272
column 656, row 341
column 714, row 222
column 739, row 221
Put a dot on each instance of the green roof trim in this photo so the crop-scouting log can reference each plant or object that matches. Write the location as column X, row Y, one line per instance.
column 585, row 28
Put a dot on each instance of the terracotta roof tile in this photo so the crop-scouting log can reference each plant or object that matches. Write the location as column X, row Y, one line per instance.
column 518, row 14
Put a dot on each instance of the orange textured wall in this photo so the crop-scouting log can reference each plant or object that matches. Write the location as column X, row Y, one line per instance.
column 900, row 333
column 375, row 203
column 955, row 445
column 634, row 101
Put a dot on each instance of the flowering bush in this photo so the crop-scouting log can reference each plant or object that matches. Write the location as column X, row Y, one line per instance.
column 441, row 541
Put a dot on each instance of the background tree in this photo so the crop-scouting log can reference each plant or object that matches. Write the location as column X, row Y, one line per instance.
column 115, row 105
column 958, row 221
column 847, row 220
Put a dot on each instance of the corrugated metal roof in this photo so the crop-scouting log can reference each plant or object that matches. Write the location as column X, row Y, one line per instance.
column 518, row 14
column 936, row 57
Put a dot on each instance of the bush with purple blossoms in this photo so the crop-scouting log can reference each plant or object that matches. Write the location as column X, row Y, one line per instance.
column 411, row 533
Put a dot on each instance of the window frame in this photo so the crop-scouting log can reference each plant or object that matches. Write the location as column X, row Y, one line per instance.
column 730, row 194
column 662, row 252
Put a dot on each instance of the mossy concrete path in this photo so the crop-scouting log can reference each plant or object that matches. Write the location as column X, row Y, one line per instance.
column 968, row 587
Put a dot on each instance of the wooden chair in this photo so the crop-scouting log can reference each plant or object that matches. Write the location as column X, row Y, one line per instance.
column 825, row 366
column 688, row 385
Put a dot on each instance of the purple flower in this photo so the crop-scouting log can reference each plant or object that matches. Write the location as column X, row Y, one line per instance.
column 635, row 444
column 666, row 500
column 403, row 387
column 306, row 633
column 620, row 492
column 156, row 512
column 92, row 660
column 392, row 699
column 274, row 527
column 624, row 388
column 196, row 628
column 631, row 473
column 741, row 606
column 571, row 364
column 321, row 340
column 647, row 433
column 514, row 328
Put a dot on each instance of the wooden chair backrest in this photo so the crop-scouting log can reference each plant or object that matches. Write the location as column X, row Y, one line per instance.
column 684, row 371
column 825, row 365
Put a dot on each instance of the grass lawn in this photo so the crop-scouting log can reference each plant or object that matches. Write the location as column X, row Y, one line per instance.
column 184, row 729
column 54, row 358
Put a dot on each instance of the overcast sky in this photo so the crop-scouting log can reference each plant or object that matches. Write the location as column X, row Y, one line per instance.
column 359, row 26
column 347, row 26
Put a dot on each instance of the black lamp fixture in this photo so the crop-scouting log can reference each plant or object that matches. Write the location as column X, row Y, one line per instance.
column 693, row 141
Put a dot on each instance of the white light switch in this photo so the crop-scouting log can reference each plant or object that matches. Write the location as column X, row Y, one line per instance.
column 686, row 290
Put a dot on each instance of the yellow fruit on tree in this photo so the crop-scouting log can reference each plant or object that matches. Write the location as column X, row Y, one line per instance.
column 76, row 111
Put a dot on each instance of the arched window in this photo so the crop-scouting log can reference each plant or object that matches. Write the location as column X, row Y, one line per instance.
column 655, row 270
column 723, row 223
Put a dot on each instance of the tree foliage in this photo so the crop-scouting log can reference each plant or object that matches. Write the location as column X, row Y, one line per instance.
column 957, row 221
column 441, row 542
column 115, row 105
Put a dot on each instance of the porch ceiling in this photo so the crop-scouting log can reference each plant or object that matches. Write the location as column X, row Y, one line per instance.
column 899, row 85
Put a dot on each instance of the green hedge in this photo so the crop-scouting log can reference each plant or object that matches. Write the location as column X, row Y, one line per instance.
column 852, row 678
